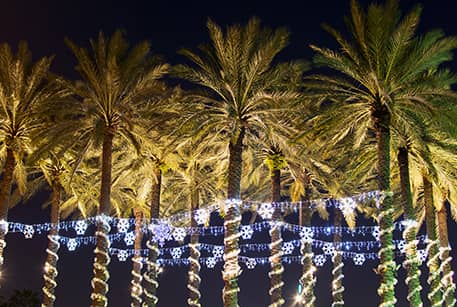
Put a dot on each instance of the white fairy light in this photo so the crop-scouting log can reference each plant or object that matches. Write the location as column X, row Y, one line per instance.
column 319, row 260
column 80, row 227
column 359, row 259
column 28, row 231
column 72, row 244
column 123, row 225
column 179, row 233
column 129, row 238
column 246, row 232
column 266, row 211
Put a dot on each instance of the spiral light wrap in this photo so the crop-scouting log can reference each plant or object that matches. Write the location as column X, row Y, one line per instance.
column 277, row 268
column 137, row 289
column 308, row 279
column 194, row 278
column 447, row 277
column 434, row 278
column 3, row 232
column 150, row 277
column 412, row 264
column 50, row 268
column 231, row 267
column 387, row 267
column 338, row 276
column 102, row 260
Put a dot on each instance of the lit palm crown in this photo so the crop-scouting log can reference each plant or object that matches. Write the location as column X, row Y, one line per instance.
column 25, row 88
column 238, row 79
column 384, row 67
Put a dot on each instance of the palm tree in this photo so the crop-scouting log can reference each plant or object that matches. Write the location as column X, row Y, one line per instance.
column 116, row 81
column 382, row 75
column 236, row 75
column 24, row 88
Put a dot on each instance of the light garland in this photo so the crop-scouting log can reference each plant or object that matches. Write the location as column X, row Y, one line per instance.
column 137, row 289
column 194, row 278
column 338, row 276
column 150, row 276
column 412, row 263
column 50, row 270
column 4, row 226
column 434, row 278
column 308, row 279
column 446, row 270
column 277, row 269
column 102, row 260
column 231, row 267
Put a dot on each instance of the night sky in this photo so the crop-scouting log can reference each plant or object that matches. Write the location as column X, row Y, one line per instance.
column 171, row 25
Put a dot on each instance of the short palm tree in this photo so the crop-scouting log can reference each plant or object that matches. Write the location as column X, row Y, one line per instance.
column 236, row 75
column 381, row 75
column 116, row 82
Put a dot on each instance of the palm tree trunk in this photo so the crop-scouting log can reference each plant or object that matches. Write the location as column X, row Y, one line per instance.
column 5, row 191
column 433, row 263
column 150, row 277
column 387, row 266
column 102, row 258
column 411, row 263
column 232, row 222
column 446, row 269
column 337, row 272
column 137, row 289
column 277, row 268
column 194, row 256
column 50, row 266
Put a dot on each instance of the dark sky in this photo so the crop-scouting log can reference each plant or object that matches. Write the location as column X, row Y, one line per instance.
column 171, row 25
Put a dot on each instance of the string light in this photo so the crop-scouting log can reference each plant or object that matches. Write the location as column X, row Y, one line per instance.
column 448, row 281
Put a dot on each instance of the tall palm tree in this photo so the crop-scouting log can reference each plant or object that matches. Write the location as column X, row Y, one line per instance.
column 24, row 88
column 116, row 81
column 237, row 76
column 381, row 73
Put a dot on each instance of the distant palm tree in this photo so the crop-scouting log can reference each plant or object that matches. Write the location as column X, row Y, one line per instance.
column 116, row 82
column 382, row 76
column 24, row 89
column 237, row 76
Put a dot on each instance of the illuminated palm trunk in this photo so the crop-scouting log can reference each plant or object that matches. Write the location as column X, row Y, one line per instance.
column 194, row 257
column 446, row 269
column 434, row 279
column 5, row 191
column 277, row 268
column 308, row 278
column 232, row 222
column 151, row 275
column 411, row 263
column 337, row 272
column 137, row 289
column 102, row 258
column 50, row 266
column 387, row 266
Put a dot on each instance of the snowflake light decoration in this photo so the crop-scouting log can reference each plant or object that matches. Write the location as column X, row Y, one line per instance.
column 319, row 260
column 376, row 233
column 422, row 255
column 179, row 233
column 72, row 244
column 123, row 225
column 251, row 263
column 328, row 249
column 176, row 252
column 401, row 245
column 246, row 232
column 201, row 216
column 122, row 255
column 359, row 259
column 307, row 234
column 266, row 211
column 288, row 248
column 80, row 227
column 218, row 251
column 347, row 205
column 211, row 262
column 161, row 233
column 28, row 231
column 129, row 238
